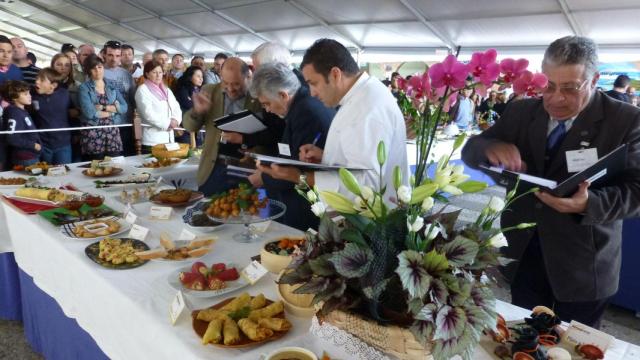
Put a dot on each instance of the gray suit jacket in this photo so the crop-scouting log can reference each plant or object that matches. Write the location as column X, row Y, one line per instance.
column 581, row 252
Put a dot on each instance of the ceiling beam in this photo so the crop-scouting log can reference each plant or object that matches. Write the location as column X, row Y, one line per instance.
column 324, row 23
column 230, row 19
column 439, row 34
column 82, row 6
column 575, row 27
column 179, row 26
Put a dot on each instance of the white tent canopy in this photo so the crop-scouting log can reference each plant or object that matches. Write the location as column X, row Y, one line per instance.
column 425, row 28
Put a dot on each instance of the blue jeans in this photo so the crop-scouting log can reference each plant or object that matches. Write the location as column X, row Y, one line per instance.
column 219, row 181
column 57, row 156
column 24, row 162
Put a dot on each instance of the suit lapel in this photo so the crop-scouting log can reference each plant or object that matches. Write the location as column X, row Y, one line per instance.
column 584, row 129
column 538, row 138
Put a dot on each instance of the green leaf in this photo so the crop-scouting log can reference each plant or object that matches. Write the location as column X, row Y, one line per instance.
column 328, row 231
column 459, row 141
column 450, row 323
column 461, row 251
column 472, row 186
column 422, row 192
column 439, row 291
column 413, row 275
column 353, row 236
column 353, row 261
column 422, row 331
column 427, row 313
column 314, row 286
column 334, row 289
column 435, row 262
column 240, row 313
column 349, row 181
column 321, row 265
column 338, row 202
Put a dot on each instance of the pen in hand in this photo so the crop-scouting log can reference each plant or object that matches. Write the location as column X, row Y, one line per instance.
column 315, row 140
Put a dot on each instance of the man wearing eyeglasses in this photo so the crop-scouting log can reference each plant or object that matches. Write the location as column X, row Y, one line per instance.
column 570, row 261
column 123, row 82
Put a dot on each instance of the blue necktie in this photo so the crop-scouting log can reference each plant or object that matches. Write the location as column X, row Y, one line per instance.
column 556, row 136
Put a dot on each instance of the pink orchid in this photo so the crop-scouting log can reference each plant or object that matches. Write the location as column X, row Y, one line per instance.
column 450, row 73
column 419, row 86
column 402, row 83
column 512, row 69
column 483, row 66
column 530, row 84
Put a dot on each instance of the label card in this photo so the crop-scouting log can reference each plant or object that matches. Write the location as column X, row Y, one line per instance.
column 254, row 272
column 578, row 160
column 172, row 146
column 160, row 212
column 130, row 217
column 118, row 160
column 56, row 171
column 138, row 232
column 186, row 235
column 177, row 307
column 284, row 149
column 578, row 333
column 261, row 226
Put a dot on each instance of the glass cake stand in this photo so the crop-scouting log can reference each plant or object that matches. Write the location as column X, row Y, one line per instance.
column 273, row 210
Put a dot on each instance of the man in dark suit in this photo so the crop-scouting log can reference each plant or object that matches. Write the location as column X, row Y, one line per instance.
column 570, row 261
column 307, row 121
column 620, row 86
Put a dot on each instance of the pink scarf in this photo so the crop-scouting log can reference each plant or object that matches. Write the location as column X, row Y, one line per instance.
column 4, row 69
column 159, row 91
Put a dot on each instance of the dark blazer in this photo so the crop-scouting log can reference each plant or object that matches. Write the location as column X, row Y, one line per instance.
column 307, row 117
column 581, row 251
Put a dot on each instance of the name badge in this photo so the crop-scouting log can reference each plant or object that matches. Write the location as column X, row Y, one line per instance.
column 177, row 307
column 138, row 232
column 160, row 212
column 579, row 160
column 253, row 272
column 284, row 149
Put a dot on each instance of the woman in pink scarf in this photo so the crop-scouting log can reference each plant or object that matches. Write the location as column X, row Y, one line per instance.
column 157, row 107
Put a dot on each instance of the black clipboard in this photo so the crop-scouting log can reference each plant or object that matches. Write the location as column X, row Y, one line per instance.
column 598, row 174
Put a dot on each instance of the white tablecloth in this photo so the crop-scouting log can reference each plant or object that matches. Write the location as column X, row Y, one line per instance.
column 127, row 311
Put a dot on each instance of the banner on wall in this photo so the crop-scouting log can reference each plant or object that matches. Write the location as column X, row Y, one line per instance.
column 610, row 71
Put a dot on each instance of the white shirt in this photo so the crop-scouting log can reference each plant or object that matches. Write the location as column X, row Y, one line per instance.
column 553, row 123
column 368, row 114
column 158, row 114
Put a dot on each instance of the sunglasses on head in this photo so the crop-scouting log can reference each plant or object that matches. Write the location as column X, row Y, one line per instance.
column 113, row 44
column 68, row 47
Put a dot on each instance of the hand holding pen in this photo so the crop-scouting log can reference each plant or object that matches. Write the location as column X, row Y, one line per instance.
column 310, row 152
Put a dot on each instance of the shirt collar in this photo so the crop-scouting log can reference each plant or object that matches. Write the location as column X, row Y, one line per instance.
column 362, row 78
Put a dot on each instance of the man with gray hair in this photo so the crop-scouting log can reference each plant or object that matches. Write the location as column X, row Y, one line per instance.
column 270, row 52
column 307, row 121
column 570, row 261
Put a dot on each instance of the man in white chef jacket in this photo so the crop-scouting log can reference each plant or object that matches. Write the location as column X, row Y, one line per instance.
column 367, row 114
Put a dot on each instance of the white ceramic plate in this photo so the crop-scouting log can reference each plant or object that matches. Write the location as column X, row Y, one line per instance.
column 174, row 281
column 161, row 169
column 67, row 229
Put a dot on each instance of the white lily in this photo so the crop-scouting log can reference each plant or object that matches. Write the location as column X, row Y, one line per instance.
column 498, row 240
column 367, row 193
column 311, row 196
column 427, row 203
column 404, row 194
column 433, row 232
column 416, row 225
column 318, row 208
column 496, row 204
column 452, row 190
column 458, row 170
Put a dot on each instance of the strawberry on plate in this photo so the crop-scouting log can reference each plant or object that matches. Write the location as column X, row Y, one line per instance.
column 230, row 274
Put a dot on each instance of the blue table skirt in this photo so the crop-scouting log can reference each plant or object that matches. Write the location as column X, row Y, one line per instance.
column 10, row 300
column 49, row 331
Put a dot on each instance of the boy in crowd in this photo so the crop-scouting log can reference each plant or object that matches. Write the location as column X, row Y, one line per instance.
column 50, row 110
column 25, row 147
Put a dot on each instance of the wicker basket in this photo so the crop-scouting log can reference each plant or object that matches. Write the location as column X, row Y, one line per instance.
column 392, row 340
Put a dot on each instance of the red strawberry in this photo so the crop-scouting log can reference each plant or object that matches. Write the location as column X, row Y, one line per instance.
column 228, row 275
column 198, row 284
column 188, row 277
column 216, row 268
column 199, row 268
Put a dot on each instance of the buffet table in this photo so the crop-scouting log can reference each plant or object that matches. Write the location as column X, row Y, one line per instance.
column 124, row 314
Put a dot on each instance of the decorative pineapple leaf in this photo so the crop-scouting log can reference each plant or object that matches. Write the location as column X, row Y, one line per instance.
column 461, row 251
column 435, row 262
column 413, row 275
column 427, row 313
column 352, row 261
column 321, row 265
column 438, row 291
column 334, row 289
column 373, row 292
column 422, row 331
column 450, row 323
column 313, row 286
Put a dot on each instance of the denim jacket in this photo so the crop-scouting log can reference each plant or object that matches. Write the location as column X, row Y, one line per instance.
column 88, row 99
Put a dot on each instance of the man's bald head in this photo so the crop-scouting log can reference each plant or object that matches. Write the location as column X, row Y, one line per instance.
column 235, row 77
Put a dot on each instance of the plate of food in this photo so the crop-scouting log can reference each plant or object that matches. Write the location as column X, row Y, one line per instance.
column 178, row 251
column 176, row 197
column 61, row 216
column 102, row 171
column 117, row 254
column 195, row 218
column 241, row 321
column 202, row 281
column 132, row 181
column 95, row 229
column 39, row 168
column 159, row 165
column 172, row 150
column 15, row 182
column 44, row 195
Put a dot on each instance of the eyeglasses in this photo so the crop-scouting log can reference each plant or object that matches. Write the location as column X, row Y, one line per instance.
column 566, row 90
column 113, row 44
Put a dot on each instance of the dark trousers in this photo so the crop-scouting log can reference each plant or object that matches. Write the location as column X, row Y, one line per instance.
column 128, row 143
column 219, row 181
column 531, row 288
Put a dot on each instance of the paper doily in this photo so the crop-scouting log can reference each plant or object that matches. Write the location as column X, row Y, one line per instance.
column 342, row 339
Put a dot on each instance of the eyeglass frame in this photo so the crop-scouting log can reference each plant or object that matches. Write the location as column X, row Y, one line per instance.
column 566, row 90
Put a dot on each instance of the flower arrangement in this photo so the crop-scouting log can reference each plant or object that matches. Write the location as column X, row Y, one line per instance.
column 401, row 262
